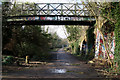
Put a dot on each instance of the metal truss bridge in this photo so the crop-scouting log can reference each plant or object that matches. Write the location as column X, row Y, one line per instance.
column 49, row 14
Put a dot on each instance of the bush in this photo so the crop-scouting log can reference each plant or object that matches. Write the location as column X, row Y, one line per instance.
column 7, row 60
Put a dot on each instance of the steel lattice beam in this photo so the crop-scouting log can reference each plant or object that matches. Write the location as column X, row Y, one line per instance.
column 51, row 9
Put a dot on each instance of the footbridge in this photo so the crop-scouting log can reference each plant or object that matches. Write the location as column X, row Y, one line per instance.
column 48, row 14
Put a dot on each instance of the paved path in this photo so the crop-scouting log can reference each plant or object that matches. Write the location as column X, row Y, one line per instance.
column 64, row 65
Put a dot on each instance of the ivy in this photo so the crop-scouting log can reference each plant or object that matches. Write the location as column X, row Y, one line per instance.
column 90, row 42
column 117, row 47
column 116, row 15
column 113, row 16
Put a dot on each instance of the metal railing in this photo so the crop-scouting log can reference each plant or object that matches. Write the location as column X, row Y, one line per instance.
column 47, row 9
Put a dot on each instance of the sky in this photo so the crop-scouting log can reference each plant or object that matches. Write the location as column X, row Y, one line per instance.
column 59, row 29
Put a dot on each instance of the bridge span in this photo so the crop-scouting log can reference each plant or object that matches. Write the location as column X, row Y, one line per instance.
column 50, row 14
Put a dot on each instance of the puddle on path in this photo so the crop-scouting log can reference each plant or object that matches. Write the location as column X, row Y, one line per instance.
column 58, row 71
column 67, row 64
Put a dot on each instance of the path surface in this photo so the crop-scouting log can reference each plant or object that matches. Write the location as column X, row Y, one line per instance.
column 64, row 65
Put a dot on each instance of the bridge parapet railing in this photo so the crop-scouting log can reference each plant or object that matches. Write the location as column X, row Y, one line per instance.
column 46, row 9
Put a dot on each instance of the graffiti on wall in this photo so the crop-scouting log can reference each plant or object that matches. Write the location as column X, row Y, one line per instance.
column 100, row 48
column 97, row 44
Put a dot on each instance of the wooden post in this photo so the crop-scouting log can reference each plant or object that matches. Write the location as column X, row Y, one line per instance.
column 27, row 60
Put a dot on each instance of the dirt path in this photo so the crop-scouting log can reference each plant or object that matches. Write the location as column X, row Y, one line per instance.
column 64, row 65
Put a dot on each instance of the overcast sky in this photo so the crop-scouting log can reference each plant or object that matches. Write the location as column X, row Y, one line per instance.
column 59, row 29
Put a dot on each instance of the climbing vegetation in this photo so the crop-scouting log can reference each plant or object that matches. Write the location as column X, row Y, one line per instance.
column 80, row 36
column 112, row 13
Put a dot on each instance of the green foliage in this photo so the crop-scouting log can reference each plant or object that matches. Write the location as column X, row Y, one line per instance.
column 112, row 14
column 7, row 60
column 117, row 46
column 76, row 48
column 6, row 31
column 74, row 32
column 72, row 47
column 32, row 41
column 6, row 35
column 76, row 35
column 116, row 15
column 90, row 42
column 56, row 41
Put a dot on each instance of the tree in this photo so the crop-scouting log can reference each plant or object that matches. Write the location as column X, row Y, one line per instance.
column 76, row 35
column 24, row 40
